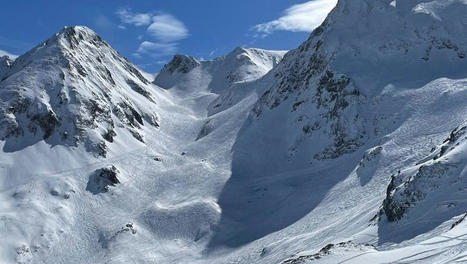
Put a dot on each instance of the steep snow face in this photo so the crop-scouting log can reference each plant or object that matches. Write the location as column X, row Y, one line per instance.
column 329, row 81
column 71, row 89
column 376, row 39
column 241, row 65
column 338, row 116
column 349, row 97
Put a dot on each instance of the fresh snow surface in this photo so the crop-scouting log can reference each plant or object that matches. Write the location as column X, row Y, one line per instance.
column 351, row 148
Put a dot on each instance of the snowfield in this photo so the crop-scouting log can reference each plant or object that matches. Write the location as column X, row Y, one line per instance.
column 351, row 148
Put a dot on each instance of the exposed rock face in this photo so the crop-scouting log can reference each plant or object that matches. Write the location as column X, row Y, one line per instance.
column 102, row 179
column 110, row 174
column 403, row 195
column 72, row 89
column 205, row 130
column 442, row 168
column 181, row 64
column 5, row 63
column 327, row 82
column 321, row 100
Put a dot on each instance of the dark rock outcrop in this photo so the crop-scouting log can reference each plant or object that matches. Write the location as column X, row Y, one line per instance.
column 102, row 179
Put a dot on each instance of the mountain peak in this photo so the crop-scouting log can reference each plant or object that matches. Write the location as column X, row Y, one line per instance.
column 239, row 50
column 181, row 63
column 78, row 34
column 216, row 75
column 77, row 29
column 73, row 88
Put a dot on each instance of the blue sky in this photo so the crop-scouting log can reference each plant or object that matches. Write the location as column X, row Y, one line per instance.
column 149, row 33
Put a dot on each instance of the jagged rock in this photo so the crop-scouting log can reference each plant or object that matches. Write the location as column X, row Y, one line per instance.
column 109, row 136
column 406, row 191
column 182, row 64
column 110, row 173
column 205, row 130
column 46, row 121
column 152, row 119
column 400, row 197
column 137, row 135
column 137, row 88
column 460, row 220
column 454, row 139
column 102, row 179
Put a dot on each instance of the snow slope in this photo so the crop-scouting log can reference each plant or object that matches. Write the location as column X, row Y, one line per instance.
column 349, row 149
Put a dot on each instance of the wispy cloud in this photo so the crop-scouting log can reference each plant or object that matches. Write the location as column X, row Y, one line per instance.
column 164, row 28
column 137, row 19
column 6, row 53
column 212, row 52
column 167, row 28
column 156, row 50
column 298, row 18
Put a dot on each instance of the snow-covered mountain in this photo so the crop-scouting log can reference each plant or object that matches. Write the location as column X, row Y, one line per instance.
column 240, row 65
column 349, row 149
column 229, row 76
column 73, row 88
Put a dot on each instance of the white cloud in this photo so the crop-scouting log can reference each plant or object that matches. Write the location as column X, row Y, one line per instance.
column 301, row 17
column 163, row 27
column 6, row 53
column 166, row 28
column 137, row 19
column 212, row 52
column 156, row 49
